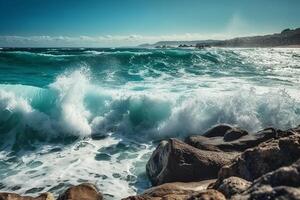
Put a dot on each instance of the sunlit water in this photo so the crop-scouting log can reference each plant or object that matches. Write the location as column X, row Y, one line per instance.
column 95, row 115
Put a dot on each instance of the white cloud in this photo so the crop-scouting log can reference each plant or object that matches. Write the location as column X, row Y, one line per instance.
column 98, row 41
column 234, row 27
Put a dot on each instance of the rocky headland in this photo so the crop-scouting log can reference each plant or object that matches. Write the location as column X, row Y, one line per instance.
column 286, row 38
column 225, row 162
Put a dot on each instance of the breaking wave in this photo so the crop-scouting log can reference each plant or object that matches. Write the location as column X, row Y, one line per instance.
column 69, row 116
column 73, row 106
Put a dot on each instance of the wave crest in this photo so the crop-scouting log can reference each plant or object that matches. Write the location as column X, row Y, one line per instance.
column 73, row 106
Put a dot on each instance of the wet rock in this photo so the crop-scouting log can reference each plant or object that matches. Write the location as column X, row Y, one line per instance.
column 205, row 143
column 136, row 198
column 267, row 192
column 243, row 141
column 208, row 195
column 174, row 191
column 13, row 196
column 283, row 183
column 264, row 158
column 217, row 131
column 174, row 160
column 295, row 130
column 83, row 191
column 177, row 188
column 231, row 186
column 234, row 134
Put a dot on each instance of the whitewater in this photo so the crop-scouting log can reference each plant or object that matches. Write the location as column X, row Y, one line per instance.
column 73, row 115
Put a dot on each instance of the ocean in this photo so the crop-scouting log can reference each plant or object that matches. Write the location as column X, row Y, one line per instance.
column 74, row 115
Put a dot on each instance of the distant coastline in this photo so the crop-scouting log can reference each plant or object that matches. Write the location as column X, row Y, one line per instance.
column 287, row 38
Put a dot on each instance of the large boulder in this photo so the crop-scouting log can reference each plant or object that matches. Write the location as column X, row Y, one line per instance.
column 266, row 157
column 231, row 186
column 176, row 191
column 236, row 140
column 176, row 161
column 83, row 191
column 13, row 196
column 283, row 183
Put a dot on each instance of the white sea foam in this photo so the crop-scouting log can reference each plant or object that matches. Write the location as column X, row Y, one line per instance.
column 71, row 90
column 172, row 103
column 94, row 52
column 81, row 108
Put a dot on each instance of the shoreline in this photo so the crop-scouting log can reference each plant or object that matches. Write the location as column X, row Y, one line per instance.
column 225, row 162
column 137, row 47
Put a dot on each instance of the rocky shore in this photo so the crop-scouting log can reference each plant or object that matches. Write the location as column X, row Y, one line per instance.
column 223, row 163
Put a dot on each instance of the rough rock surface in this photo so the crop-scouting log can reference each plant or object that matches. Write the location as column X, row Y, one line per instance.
column 231, row 186
column 208, row 195
column 295, row 130
column 266, row 157
column 177, row 191
column 217, row 131
column 13, row 196
column 174, row 160
column 83, row 191
column 283, row 183
column 234, row 134
column 238, row 143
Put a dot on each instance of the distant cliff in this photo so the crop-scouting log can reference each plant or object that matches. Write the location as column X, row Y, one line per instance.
column 178, row 43
column 287, row 37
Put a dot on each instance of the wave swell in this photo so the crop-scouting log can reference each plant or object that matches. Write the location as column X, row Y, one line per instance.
column 73, row 106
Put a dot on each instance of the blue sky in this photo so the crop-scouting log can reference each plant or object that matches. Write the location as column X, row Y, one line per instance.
column 129, row 22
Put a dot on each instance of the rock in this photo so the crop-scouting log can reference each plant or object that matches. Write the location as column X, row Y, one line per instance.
column 208, row 195
column 83, row 191
column 283, row 183
column 267, row 192
column 135, row 198
column 218, row 130
column 176, row 161
column 174, row 191
column 178, row 188
column 234, row 134
column 13, row 196
column 295, row 130
column 205, row 143
column 238, row 145
column 264, row 158
column 231, row 186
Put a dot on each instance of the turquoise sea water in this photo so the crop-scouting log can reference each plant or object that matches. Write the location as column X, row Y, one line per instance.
column 75, row 115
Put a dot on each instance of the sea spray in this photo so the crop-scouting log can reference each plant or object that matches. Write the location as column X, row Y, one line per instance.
column 72, row 110
column 74, row 115
column 71, row 91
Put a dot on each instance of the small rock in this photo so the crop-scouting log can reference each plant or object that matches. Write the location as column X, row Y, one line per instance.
column 83, row 191
column 174, row 191
column 135, row 198
column 208, row 195
column 234, row 134
column 218, row 130
column 13, row 196
column 231, row 186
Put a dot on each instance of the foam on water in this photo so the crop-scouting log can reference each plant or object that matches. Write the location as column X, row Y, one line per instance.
column 46, row 131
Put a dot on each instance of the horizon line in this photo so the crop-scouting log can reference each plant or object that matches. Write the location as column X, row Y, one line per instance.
column 111, row 41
